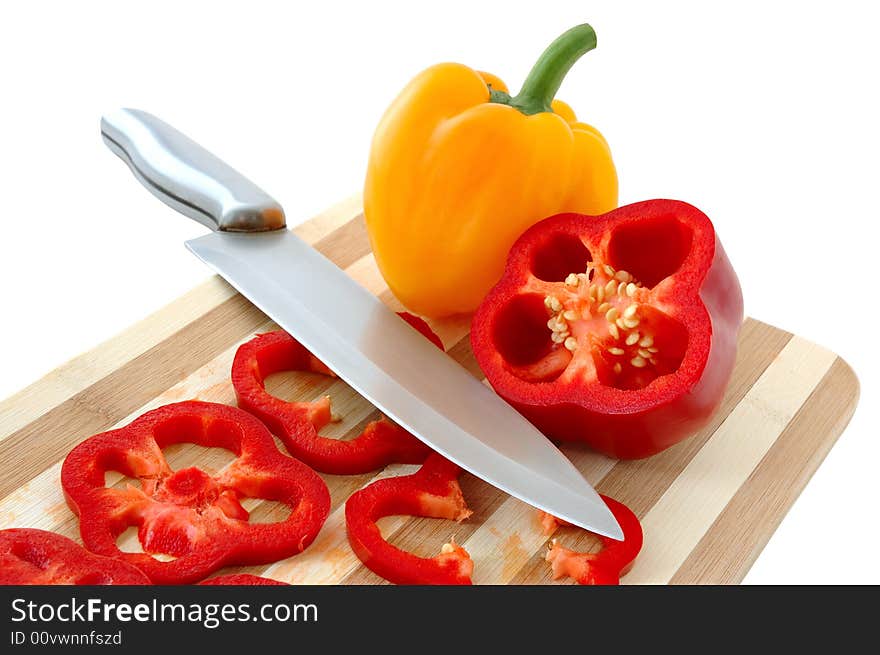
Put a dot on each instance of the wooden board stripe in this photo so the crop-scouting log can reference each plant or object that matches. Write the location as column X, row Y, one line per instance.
column 503, row 534
column 347, row 244
column 702, row 490
column 831, row 404
column 329, row 220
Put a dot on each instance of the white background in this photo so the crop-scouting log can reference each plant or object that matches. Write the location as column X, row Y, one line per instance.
column 763, row 114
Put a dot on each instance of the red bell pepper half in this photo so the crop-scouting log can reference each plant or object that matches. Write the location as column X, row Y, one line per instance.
column 617, row 330
column 190, row 515
column 432, row 491
column 243, row 579
column 297, row 423
column 37, row 557
column 608, row 565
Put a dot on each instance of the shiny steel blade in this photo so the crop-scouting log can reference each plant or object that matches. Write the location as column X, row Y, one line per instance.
column 401, row 373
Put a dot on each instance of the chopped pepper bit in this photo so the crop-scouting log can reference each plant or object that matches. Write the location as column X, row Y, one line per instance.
column 604, row 567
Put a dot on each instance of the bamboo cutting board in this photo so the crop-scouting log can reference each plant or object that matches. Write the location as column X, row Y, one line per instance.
column 707, row 505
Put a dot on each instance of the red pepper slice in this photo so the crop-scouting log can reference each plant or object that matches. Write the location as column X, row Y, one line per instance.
column 297, row 423
column 608, row 565
column 188, row 514
column 422, row 326
column 29, row 556
column 432, row 491
column 240, row 579
column 617, row 330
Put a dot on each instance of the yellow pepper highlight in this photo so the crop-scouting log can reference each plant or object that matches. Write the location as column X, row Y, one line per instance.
column 459, row 169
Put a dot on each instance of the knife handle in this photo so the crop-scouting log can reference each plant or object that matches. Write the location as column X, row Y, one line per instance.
column 186, row 177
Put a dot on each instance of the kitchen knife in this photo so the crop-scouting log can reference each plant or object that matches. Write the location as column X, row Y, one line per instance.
column 379, row 355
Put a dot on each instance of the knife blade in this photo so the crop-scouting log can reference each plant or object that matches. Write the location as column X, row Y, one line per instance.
column 379, row 355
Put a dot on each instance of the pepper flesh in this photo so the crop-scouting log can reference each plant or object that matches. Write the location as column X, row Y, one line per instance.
column 432, row 491
column 458, row 169
column 297, row 423
column 189, row 515
column 617, row 330
column 240, row 579
column 38, row 557
column 608, row 565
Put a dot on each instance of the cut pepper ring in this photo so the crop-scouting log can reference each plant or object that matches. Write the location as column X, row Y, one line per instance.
column 195, row 518
column 297, row 423
column 606, row 566
column 37, row 557
column 432, row 491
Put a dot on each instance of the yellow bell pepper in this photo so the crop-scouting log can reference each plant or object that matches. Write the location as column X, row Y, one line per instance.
column 459, row 169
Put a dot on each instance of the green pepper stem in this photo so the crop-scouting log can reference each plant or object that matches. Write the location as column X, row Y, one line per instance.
column 548, row 72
